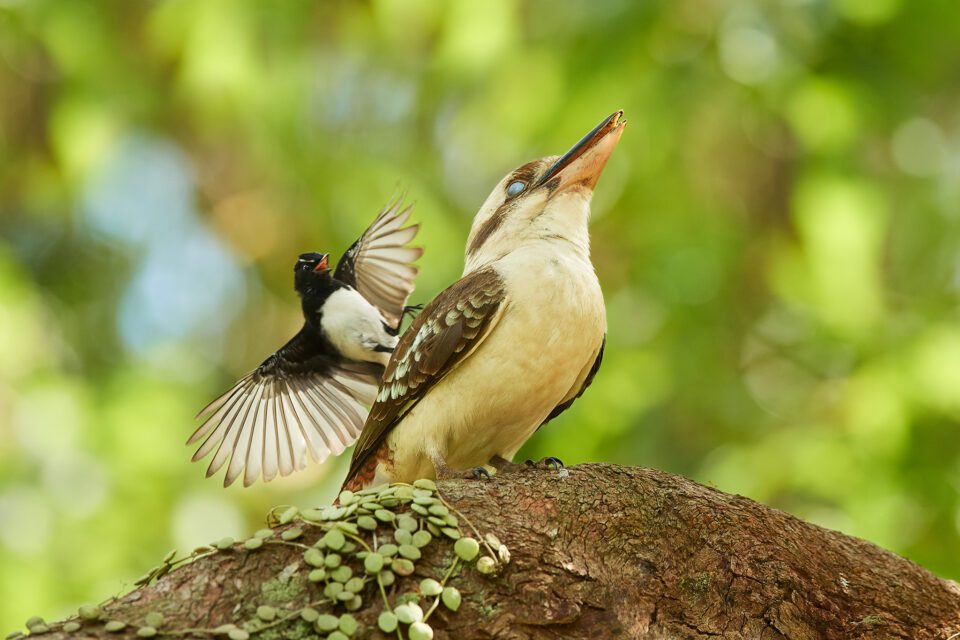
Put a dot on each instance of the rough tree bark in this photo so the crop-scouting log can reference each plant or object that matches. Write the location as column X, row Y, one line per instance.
column 616, row 552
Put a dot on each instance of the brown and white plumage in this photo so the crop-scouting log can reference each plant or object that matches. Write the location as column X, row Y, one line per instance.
column 310, row 398
column 510, row 345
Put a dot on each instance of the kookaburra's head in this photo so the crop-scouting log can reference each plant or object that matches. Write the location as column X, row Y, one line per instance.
column 547, row 199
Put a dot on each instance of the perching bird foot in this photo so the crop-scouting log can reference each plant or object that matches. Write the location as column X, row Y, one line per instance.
column 550, row 462
column 445, row 472
column 477, row 473
column 502, row 465
column 412, row 310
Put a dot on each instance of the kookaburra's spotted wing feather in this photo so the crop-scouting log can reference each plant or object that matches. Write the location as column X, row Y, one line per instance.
column 446, row 332
column 301, row 400
column 378, row 264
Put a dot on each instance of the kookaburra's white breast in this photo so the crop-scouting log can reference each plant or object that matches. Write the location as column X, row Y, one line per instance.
column 355, row 327
column 546, row 339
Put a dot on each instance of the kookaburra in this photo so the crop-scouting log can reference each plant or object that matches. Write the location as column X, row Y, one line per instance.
column 312, row 394
column 511, row 344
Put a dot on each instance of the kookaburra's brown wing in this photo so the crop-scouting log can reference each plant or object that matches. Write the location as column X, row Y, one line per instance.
column 302, row 399
column 446, row 332
column 591, row 374
column 378, row 264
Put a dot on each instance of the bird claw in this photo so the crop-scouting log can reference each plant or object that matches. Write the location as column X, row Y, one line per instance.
column 477, row 473
column 412, row 310
column 550, row 462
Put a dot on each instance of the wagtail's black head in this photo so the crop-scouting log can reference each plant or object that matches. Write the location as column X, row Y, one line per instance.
column 312, row 262
column 310, row 270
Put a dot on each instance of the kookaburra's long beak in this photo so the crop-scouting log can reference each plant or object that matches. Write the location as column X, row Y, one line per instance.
column 584, row 162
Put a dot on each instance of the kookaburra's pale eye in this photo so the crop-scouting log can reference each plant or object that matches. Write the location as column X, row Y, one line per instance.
column 515, row 188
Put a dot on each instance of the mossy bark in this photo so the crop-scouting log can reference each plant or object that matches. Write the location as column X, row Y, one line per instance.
column 606, row 552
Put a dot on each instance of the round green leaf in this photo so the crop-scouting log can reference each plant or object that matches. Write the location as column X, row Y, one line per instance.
column 451, row 598
column 421, row 539
column 430, row 587
column 114, row 625
column 342, row 573
column 466, row 549
column 146, row 632
column 332, row 560
column 373, row 563
column 348, row 624
column 317, row 575
column 402, row 566
column 334, row 539
column 89, row 612
column 450, row 532
column 425, row 483
column 387, row 622
column 367, row 522
column 253, row 543
column 332, row 590
column 266, row 613
column 409, row 552
column 154, row 619
column 238, row 634
column 224, row 543
column 384, row 515
column 354, row 585
column 313, row 557
column 486, row 565
column 407, row 615
column 420, row 631
column 292, row 533
column 326, row 623
column 288, row 515
column 309, row 615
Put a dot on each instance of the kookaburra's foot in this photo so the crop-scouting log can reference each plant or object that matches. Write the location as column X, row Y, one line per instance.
column 550, row 462
column 444, row 472
column 477, row 473
column 502, row 465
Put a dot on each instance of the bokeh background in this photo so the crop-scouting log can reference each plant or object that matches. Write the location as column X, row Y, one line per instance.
column 778, row 237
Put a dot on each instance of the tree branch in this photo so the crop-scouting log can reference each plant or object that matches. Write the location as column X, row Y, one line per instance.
column 606, row 552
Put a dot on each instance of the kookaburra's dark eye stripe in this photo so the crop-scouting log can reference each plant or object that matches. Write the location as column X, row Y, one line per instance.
column 488, row 227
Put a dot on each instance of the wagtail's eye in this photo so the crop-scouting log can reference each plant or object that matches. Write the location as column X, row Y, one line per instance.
column 515, row 188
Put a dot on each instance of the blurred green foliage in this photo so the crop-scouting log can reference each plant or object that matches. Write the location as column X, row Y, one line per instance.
column 778, row 237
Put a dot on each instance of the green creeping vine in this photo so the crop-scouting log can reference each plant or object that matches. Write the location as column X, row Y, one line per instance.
column 363, row 544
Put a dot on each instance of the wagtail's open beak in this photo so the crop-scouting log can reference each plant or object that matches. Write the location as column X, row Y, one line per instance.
column 323, row 264
column 584, row 162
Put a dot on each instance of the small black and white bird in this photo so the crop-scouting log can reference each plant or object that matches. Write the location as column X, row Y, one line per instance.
column 312, row 395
